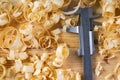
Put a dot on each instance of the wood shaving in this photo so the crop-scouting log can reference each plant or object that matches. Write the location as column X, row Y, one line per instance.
column 116, row 70
column 3, row 60
column 81, row 3
column 3, row 71
column 109, row 7
column 27, row 24
column 109, row 77
column 109, row 38
column 98, row 69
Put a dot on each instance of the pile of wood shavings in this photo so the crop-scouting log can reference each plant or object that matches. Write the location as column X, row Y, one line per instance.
column 26, row 24
column 109, row 38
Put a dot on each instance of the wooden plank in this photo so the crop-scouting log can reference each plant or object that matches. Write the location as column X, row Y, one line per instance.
column 71, row 39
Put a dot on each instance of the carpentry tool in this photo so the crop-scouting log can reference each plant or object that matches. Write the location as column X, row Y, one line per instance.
column 86, row 37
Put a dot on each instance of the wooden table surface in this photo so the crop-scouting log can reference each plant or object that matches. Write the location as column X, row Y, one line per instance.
column 75, row 62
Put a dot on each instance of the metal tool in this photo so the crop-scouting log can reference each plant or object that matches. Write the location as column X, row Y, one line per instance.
column 86, row 37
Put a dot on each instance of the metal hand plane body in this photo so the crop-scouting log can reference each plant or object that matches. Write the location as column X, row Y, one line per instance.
column 86, row 37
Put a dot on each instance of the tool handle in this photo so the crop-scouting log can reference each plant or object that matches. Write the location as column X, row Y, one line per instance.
column 86, row 38
column 87, row 67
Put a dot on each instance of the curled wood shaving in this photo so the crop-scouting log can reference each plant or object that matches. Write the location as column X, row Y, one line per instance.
column 4, row 18
column 116, row 70
column 81, row 3
column 98, row 69
column 18, row 65
column 109, row 7
column 3, row 60
column 63, row 75
column 47, row 42
column 4, row 71
column 66, row 3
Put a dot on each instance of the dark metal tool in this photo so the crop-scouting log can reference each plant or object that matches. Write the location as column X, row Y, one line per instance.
column 86, row 37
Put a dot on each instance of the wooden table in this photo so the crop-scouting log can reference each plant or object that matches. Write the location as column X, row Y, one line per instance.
column 75, row 62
